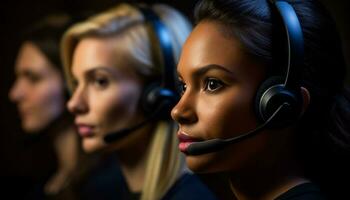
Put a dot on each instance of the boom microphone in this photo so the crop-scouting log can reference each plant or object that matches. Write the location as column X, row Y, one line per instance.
column 209, row 146
column 117, row 135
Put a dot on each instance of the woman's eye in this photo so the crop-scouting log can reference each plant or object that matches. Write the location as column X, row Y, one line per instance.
column 213, row 84
column 181, row 87
column 32, row 77
column 101, row 82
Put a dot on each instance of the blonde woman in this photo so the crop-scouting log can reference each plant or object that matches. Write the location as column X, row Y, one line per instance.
column 110, row 60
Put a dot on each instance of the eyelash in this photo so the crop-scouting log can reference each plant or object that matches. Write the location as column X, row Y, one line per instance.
column 33, row 78
column 208, row 82
column 181, row 87
column 100, row 81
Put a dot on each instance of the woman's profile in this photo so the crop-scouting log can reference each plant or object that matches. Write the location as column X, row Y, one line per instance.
column 40, row 93
column 273, row 71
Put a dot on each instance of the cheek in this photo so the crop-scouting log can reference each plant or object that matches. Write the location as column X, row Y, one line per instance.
column 228, row 116
column 46, row 103
column 49, row 98
column 117, row 108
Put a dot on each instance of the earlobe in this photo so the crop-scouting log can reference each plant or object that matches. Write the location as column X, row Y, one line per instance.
column 306, row 98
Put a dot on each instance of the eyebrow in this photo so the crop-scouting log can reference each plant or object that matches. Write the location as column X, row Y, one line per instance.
column 201, row 71
column 30, row 72
column 92, row 71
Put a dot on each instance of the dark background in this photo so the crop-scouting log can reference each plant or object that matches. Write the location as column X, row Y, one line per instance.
column 17, row 15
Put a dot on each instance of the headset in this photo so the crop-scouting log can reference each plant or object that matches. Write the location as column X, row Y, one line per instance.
column 272, row 92
column 278, row 101
column 158, row 98
column 156, row 93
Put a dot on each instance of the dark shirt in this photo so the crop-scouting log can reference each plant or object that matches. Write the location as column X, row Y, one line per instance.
column 305, row 191
column 189, row 186
column 107, row 182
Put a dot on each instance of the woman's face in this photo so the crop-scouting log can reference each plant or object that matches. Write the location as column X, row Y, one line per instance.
column 107, row 93
column 38, row 90
column 219, row 86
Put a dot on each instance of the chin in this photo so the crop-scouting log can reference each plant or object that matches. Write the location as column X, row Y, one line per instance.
column 208, row 163
column 201, row 163
column 92, row 145
column 32, row 128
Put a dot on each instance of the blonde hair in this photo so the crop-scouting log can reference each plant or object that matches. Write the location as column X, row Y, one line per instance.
column 165, row 163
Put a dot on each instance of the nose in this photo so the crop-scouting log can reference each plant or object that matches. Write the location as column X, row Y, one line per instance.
column 184, row 111
column 17, row 92
column 77, row 103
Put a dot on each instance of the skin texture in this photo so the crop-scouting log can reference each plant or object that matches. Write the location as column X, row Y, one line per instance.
column 219, row 84
column 106, row 97
column 38, row 90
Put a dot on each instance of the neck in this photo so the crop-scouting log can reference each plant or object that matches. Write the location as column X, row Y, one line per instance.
column 133, row 158
column 67, row 149
column 66, row 146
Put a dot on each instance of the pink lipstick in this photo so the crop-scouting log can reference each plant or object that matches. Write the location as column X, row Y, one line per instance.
column 85, row 130
column 185, row 141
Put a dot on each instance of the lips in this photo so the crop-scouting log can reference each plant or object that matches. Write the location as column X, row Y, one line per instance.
column 185, row 141
column 85, row 130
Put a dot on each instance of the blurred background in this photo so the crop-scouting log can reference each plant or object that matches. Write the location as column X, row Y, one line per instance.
column 17, row 15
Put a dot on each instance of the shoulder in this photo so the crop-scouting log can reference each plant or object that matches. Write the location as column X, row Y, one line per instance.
column 103, row 180
column 189, row 186
column 307, row 191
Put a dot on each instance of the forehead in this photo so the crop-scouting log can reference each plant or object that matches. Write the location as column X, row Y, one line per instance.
column 31, row 58
column 92, row 52
column 209, row 44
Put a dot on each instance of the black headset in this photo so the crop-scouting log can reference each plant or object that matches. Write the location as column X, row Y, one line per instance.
column 278, row 100
column 160, row 96
column 275, row 91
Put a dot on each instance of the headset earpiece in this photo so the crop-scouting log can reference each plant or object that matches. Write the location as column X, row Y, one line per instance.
column 284, row 90
column 271, row 95
column 154, row 96
column 161, row 93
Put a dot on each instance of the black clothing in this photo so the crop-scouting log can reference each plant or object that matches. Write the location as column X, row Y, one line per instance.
column 305, row 191
column 189, row 186
column 107, row 182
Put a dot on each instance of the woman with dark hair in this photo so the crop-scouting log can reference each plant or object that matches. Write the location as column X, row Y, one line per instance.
column 278, row 96
column 51, row 151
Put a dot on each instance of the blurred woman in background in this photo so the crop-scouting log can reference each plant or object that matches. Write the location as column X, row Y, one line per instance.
column 40, row 94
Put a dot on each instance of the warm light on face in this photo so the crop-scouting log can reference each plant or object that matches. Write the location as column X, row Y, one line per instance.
column 219, row 84
column 38, row 90
column 106, row 97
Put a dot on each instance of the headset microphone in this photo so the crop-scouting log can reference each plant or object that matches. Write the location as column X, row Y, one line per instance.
column 209, row 146
column 117, row 135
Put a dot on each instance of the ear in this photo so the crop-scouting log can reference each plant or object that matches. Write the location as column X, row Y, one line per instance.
column 306, row 98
